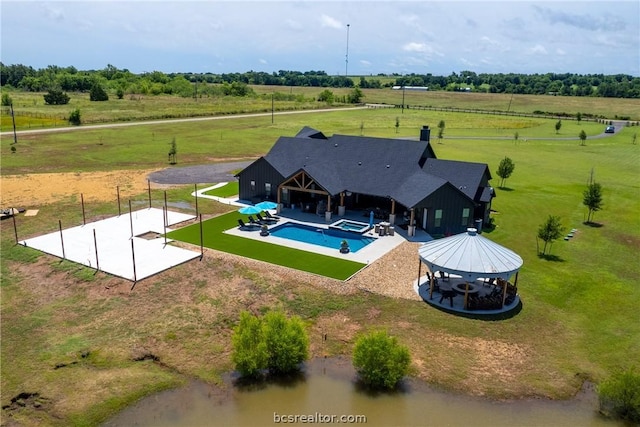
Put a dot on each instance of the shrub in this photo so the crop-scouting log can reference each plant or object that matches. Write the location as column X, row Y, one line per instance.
column 6, row 100
column 97, row 93
column 380, row 360
column 249, row 347
column 273, row 342
column 287, row 342
column 620, row 396
column 74, row 117
column 56, row 97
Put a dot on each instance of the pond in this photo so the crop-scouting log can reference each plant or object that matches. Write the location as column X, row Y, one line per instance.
column 326, row 389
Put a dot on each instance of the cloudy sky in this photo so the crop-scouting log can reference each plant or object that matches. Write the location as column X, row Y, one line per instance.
column 382, row 36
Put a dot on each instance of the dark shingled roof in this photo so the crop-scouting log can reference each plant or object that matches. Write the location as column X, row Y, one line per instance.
column 374, row 166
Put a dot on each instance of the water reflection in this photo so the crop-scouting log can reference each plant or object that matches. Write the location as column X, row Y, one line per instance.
column 327, row 388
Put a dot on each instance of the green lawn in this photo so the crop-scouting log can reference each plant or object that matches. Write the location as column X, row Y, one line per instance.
column 228, row 190
column 214, row 238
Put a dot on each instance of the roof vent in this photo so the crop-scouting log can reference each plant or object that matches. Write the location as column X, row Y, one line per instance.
column 359, row 163
column 387, row 166
column 335, row 145
column 472, row 231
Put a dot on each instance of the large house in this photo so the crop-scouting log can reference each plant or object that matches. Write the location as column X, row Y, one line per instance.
column 401, row 180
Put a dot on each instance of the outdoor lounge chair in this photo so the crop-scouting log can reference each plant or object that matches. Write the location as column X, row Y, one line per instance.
column 264, row 220
column 244, row 226
column 255, row 223
column 273, row 217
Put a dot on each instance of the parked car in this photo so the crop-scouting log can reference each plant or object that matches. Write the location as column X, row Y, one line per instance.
column 610, row 129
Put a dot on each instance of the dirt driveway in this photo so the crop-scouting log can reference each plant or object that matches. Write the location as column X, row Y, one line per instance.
column 25, row 191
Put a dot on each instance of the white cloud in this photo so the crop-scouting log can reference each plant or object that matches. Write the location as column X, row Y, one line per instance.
column 328, row 21
column 538, row 49
column 560, row 51
column 415, row 47
column 365, row 63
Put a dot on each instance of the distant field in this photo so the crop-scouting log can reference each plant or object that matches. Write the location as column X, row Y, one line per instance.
column 146, row 146
column 32, row 113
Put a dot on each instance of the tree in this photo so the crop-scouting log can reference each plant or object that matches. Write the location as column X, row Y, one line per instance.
column 515, row 137
column 286, row 341
column 579, row 116
column 120, row 93
column 634, row 138
column 74, row 117
column 97, row 93
column 249, row 347
column 592, row 197
column 173, row 151
column 505, row 169
column 549, row 231
column 397, row 124
column 619, row 396
column 56, row 97
column 380, row 360
column 558, row 125
column 583, row 137
column 441, row 126
column 326, row 96
column 355, row 96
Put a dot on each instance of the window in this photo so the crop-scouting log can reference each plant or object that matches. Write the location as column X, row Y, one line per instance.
column 438, row 218
column 253, row 186
column 267, row 188
column 465, row 216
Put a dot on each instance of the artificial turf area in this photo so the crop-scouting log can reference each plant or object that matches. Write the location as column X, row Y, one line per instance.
column 213, row 237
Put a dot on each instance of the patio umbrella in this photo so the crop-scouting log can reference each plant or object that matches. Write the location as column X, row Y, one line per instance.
column 250, row 210
column 265, row 206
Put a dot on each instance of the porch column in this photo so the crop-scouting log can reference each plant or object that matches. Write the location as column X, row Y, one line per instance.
column 392, row 216
column 411, row 230
column 279, row 199
column 327, row 214
column 341, row 208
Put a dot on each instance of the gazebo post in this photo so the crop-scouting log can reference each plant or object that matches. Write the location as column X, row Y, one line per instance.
column 431, row 283
column 419, row 271
column 504, row 292
column 466, row 295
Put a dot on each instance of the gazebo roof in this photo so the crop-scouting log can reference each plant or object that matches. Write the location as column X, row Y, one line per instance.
column 470, row 255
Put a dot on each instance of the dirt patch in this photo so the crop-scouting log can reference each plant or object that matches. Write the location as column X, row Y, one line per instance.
column 44, row 188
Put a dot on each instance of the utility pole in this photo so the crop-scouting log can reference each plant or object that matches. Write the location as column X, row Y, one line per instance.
column 346, row 61
column 13, row 119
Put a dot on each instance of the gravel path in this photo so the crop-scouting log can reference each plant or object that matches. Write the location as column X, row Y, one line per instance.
column 202, row 174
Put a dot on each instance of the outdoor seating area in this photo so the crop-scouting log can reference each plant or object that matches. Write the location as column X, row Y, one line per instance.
column 483, row 295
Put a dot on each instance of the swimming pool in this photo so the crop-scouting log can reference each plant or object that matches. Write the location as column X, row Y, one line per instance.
column 348, row 225
column 328, row 238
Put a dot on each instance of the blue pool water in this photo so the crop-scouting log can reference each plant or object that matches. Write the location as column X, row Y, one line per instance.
column 320, row 236
column 347, row 225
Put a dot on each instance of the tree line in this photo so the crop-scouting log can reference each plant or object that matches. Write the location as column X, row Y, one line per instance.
column 27, row 78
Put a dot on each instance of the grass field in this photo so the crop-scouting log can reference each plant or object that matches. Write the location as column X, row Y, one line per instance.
column 32, row 113
column 147, row 146
column 578, row 319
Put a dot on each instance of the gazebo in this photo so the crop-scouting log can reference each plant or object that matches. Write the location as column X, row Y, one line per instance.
column 470, row 257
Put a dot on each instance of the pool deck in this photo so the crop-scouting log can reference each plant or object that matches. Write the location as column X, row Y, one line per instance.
column 366, row 255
